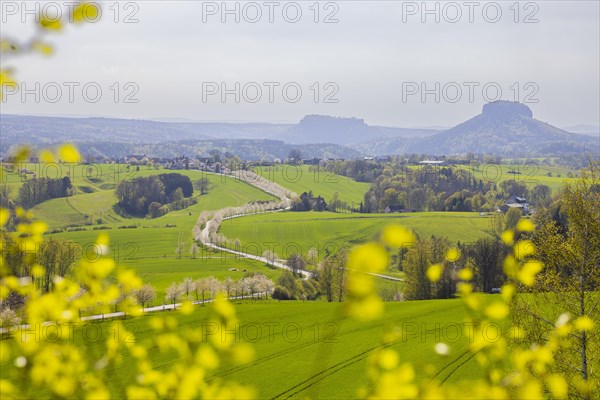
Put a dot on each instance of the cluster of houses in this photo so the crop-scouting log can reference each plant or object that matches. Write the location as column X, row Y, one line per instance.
column 519, row 203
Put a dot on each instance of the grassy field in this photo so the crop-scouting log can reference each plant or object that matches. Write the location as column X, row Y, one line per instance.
column 97, row 207
column 151, row 253
column 311, row 352
column 306, row 178
column 295, row 232
column 523, row 171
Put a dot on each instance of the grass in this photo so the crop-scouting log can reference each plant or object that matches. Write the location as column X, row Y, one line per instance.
column 529, row 173
column 310, row 351
column 297, row 232
column 97, row 207
column 305, row 178
column 151, row 253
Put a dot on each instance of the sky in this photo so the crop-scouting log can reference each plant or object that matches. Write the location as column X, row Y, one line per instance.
column 391, row 63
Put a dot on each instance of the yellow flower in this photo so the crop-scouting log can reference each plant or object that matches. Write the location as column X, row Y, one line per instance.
column 6, row 80
column 508, row 237
column 510, row 266
column 531, row 389
column 584, row 323
column 528, row 272
column 388, row 359
column 369, row 257
column 69, row 153
column 365, row 309
column 54, row 24
column 523, row 249
column 46, row 156
column 525, row 225
column 397, row 236
column 85, row 12
column 4, row 215
column 508, row 291
column 434, row 272
column 465, row 274
column 187, row 308
column 497, row 310
column 453, row 254
column 557, row 385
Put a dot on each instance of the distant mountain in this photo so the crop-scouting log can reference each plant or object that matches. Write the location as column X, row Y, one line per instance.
column 345, row 131
column 503, row 128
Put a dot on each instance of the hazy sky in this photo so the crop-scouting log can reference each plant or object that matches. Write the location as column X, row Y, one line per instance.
column 175, row 58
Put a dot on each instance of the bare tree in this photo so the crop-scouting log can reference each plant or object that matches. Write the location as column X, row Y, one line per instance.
column 145, row 295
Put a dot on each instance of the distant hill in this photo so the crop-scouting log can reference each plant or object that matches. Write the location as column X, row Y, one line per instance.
column 38, row 129
column 503, row 128
column 345, row 131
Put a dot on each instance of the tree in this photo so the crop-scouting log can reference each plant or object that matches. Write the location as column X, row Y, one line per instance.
column 213, row 285
column 173, row 293
column 229, row 286
column 296, row 263
column 288, row 281
column 294, row 156
column 418, row 286
column 269, row 256
column 194, row 250
column 202, row 287
column 423, row 254
column 5, row 201
column 57, row 256
column 327, row 274
column 487, row 255
column 513, row 215
column 202, row 185
column 571, row 277
column 497, row 222
column 145, row 295
column 188, row 286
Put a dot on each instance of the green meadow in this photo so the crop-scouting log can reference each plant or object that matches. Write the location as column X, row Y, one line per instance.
column 305, row 178
column 96, row 207
column 309, row 350
column 297, row 232
column 527, row 172
column 151, row 253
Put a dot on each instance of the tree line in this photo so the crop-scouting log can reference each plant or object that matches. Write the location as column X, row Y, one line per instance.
column 37, row 190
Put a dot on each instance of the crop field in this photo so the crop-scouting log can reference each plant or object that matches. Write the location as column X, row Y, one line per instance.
column 296, row 232
column 307, row 178
column 309, row 351
column 529, row 173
